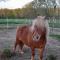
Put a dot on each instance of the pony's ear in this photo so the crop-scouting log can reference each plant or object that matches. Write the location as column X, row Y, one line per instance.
column 44, row 17
column 38, row 17
column 41, row 17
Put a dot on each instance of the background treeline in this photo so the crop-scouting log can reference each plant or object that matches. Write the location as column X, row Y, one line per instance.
column 28, row 12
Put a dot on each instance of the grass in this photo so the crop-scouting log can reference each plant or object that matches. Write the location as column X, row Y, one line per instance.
column 55, row 36
column 27, row 21
column 56, row 25
column 15, row 21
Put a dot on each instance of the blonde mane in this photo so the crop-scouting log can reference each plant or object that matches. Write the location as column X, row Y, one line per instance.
column 41, row 23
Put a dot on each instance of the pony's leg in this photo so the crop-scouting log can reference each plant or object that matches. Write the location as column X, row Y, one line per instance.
column 41, row 53
column 33, row 54
column 15, row 46
column 21, row 44
column 16, row 43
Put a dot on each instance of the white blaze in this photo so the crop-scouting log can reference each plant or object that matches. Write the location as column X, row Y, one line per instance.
column 36, row 36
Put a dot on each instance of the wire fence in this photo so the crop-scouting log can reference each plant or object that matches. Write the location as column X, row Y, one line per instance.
column 54, row 24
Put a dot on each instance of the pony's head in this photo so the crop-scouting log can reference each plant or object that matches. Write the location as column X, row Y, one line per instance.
column 40, row 22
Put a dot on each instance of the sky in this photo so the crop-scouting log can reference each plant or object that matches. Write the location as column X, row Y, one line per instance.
column 13, row 4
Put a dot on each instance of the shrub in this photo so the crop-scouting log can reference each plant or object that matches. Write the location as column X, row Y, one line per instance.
column 51, row 57
column 7, row 53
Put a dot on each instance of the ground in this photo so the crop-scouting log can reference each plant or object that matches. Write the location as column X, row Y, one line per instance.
column 7, row 39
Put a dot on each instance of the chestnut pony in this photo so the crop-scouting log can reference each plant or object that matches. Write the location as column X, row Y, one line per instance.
column 34, row 36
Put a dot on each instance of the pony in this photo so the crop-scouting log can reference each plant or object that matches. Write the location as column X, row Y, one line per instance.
column 34, row 36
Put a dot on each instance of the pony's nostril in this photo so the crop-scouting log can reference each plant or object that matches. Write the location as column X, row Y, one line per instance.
column 37, row 37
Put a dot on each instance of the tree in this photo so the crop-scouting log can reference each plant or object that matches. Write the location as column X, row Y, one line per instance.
column 45, row 4
column 40, row 6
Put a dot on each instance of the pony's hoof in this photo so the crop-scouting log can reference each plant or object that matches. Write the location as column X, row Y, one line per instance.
column 13, row 50
column 31, row 59
column 22, row 52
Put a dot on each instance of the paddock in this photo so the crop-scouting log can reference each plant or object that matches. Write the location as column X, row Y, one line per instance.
column 7, row 39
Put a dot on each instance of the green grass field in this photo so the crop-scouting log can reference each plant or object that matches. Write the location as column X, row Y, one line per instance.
column 27, row 21
column 55, row 36
column 15, row 21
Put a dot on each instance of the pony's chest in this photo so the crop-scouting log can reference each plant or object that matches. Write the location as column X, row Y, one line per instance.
column 37, row 38
column 37, row 41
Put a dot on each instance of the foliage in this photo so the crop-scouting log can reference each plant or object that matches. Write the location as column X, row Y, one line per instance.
column 7, row 53
column 28, row 12
column 51, row 57
column 50, row 7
